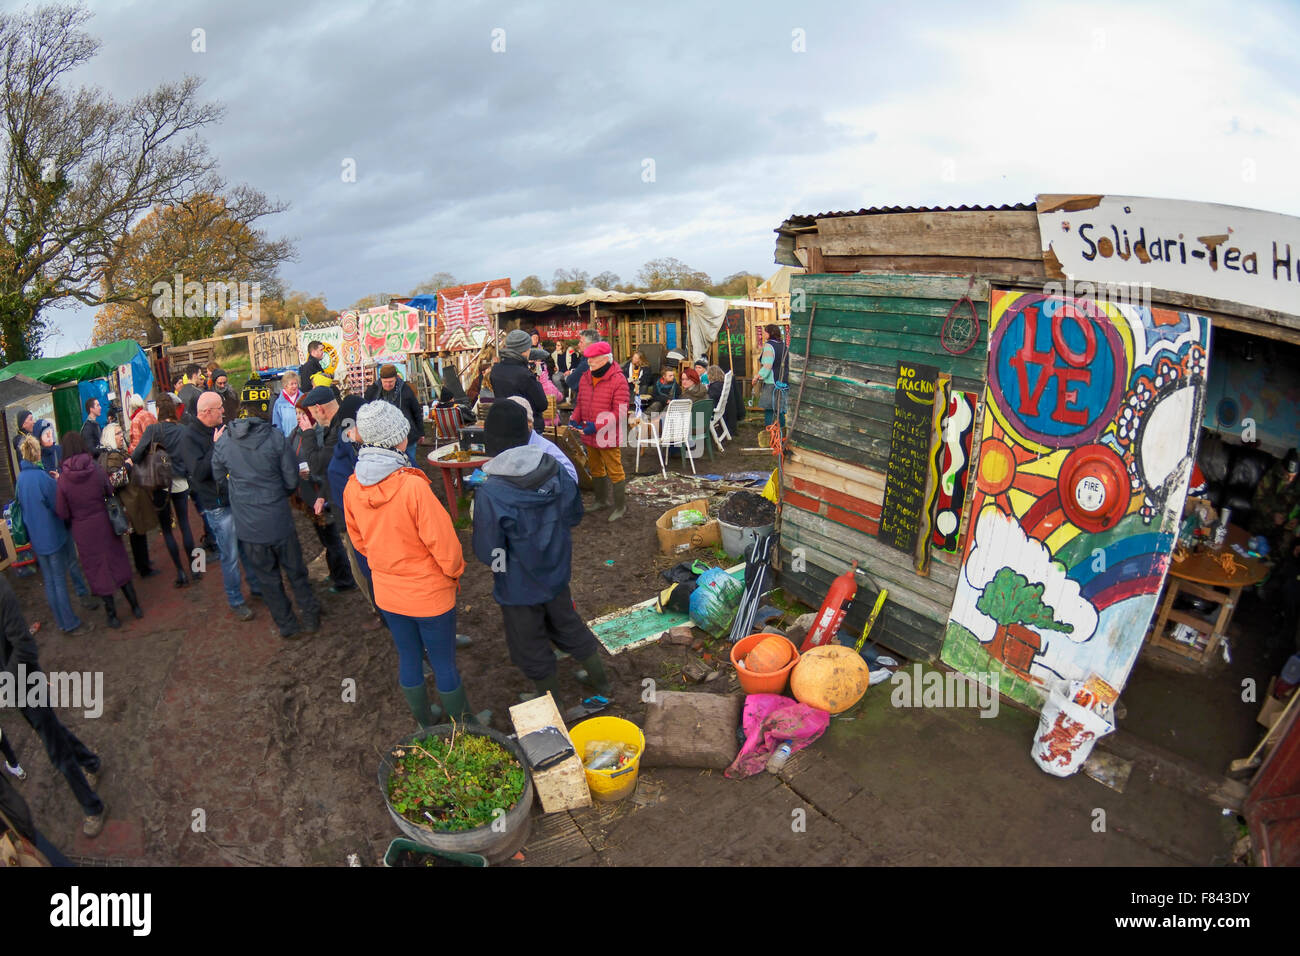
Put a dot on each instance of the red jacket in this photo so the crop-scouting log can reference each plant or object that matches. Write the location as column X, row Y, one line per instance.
column 603, row 402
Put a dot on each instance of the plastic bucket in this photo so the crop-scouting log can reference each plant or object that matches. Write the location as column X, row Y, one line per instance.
column 609, row 784
column 751, row 683
column 737, row 541
column 1066, row 732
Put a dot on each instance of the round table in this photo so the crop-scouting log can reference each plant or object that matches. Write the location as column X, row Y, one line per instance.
column 1202, row 575
column 453, row 473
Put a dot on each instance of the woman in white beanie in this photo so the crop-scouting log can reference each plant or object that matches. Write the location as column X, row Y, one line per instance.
column 415, row 560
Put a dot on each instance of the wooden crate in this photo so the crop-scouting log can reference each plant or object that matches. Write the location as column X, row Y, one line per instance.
column 564, row 786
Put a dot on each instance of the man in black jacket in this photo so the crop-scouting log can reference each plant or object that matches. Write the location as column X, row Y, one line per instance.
column 79, row 766
column 513, row 376
column 391, row 388
column 252, row 456
column 211, row 495
column 91, row 429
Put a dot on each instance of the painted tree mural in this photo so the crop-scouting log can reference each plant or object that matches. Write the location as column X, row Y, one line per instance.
column 1016, row 605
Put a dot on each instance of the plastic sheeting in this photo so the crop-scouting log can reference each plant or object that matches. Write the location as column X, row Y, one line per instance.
column 704, row 314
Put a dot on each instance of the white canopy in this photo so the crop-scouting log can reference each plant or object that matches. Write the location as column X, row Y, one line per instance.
column 704, row 314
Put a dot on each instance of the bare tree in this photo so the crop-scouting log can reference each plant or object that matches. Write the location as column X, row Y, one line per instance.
column 530, row 285
column 606, row 280
column 570, row 281
column 439, row 280
column 669, row 273
column 80, row 170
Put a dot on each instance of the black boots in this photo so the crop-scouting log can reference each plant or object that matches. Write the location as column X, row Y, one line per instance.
column 111, row 610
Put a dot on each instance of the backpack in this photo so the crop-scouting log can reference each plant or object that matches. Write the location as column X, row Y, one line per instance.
column 17, row 527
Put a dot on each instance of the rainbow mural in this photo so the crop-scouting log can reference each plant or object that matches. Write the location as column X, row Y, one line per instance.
column 1088, row 440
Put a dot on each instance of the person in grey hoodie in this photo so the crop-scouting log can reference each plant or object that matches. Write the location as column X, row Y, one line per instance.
column 522, row 516
column 253, row 457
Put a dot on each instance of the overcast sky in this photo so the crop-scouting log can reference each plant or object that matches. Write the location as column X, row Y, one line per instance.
column 487, row 164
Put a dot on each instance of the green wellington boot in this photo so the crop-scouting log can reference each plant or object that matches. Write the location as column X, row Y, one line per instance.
column 601, row 486
column 593, row 675
column 551, row 684
column 620, row 500
column 417, row 699
column 458, row 709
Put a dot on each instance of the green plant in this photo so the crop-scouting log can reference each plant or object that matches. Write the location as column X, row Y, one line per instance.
column 454, row 783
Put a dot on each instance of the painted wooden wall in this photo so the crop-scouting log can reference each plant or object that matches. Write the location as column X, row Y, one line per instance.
column 1091, row 419
column 835, row 476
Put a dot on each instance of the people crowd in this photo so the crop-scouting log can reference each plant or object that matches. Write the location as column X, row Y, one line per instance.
column 349, row 465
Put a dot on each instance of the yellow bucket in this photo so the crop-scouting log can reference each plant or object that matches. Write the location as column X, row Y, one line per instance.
column 609, row 784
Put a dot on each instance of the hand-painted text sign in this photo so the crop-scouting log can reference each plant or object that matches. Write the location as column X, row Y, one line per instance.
column 1222, row 252
column 909, row 449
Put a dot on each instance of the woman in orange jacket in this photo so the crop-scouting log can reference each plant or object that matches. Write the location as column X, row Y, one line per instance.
column 415, row 560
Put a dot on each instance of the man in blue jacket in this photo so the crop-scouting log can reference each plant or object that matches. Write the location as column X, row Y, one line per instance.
column 55, row 551
column 522, row 516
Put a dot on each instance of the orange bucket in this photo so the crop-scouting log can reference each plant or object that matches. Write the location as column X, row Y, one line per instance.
column 751, row 683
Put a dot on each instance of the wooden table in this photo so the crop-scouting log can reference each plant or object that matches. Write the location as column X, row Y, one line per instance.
column 1201, row 575
column 453, row 473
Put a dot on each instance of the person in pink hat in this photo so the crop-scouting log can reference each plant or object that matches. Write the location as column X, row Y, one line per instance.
column 599, row 413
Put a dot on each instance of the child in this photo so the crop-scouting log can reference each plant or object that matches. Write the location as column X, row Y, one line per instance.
column 522, row 516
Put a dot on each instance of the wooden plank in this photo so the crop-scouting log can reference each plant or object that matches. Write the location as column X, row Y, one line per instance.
column 950, row 288
column 867, row 306
column 944, row 579
column 826, row 464
column 850, row 421
column 841, row 516
column 1013, row 233
column 865, row 457
column 874, row 377
column 829, row 483
column 826, row 569
column 924, row 343
column 871, row 451
column 915, row 265
column 837, row 401
column 964, row 366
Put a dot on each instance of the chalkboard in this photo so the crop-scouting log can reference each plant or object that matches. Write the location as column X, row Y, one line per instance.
column 909, row 447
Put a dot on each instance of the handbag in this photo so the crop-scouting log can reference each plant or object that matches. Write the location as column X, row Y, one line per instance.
column 155, row 471
column 119, row 477
column 116, row 515
column 16, row 849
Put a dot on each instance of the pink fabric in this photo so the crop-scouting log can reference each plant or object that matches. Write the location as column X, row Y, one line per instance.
column 769, row 720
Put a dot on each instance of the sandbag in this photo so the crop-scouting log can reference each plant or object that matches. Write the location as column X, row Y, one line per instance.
column 691, row 730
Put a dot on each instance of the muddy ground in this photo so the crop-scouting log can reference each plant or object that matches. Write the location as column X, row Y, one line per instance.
column 223, row 744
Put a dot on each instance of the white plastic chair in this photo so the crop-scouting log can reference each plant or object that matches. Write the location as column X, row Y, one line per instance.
column 674, row 431
column 646, row 434
column 717, row 425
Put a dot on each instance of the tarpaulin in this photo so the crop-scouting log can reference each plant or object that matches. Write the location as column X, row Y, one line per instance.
column 99, row 362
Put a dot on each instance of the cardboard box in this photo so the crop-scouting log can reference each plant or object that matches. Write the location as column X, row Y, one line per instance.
column 564, row 786
column 707, row 535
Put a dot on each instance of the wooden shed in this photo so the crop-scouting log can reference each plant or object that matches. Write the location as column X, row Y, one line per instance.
column 1023, row 520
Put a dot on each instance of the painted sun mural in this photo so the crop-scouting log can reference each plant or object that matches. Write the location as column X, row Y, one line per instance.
column 1085, row 453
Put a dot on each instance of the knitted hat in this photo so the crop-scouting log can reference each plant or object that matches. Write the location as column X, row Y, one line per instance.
column 506, row 428
column 382, row 424
column 597, row 348
column 388, row 371
column 517, row 344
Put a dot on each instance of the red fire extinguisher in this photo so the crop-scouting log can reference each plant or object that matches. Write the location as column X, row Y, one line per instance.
column 833, row 609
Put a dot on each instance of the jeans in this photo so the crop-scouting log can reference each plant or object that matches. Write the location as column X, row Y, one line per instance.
column 222, row 523
column 266, row 561
column 411, row 450
column 55, row 569
column 68, row 755
column 416, row 636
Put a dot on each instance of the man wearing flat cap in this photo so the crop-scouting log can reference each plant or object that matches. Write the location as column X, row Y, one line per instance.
column 513, row 376
column 391, row 388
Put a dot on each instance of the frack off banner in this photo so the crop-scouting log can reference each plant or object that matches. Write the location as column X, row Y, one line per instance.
column 1091, row 416
column 1222, row 252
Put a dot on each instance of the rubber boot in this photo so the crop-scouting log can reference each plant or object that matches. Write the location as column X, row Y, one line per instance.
column 593, row 675
column 551, row 684
column 425, row 714
column 129, row 590
column 457, row 704
column 620, row 500
column 602, row 486
column 111, row 609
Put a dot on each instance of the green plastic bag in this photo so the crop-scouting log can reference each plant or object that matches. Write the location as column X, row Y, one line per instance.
column 17, row 527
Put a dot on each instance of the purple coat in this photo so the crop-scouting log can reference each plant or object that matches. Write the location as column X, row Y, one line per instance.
column 83, row 486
